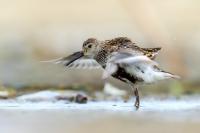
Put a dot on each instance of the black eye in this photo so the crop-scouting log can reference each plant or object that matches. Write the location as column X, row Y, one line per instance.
column 89, row 46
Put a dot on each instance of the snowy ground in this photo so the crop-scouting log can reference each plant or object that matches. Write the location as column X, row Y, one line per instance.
column 168, row 115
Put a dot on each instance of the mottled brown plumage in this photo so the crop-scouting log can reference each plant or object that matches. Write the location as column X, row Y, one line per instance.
column 122, row 44
column 116, row 44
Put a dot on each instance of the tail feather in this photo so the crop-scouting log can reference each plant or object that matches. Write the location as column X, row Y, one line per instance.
column 165, row 74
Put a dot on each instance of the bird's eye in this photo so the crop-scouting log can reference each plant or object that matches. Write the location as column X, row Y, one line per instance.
column 89, row 46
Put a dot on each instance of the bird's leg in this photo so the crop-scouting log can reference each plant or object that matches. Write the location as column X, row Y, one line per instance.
column 137, row 99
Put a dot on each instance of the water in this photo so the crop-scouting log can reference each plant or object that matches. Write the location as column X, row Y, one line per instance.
column 182, row 106
column 168, row 115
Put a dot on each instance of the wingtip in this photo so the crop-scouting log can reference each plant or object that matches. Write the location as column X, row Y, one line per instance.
column 176, row 77
column 55, row 61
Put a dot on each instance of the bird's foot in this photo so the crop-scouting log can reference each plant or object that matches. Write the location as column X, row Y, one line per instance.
column 137, row 104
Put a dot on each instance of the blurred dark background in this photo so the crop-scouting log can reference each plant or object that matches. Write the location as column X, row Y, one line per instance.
column 36, row 30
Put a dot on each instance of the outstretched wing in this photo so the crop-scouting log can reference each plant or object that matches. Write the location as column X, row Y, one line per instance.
column 126, row 60
column 76, row 60
column 140, row 66
column 84, row 63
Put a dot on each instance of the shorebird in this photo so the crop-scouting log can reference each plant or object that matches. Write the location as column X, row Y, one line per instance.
column 120, row 58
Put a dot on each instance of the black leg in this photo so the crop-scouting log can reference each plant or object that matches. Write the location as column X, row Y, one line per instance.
column 137, row 99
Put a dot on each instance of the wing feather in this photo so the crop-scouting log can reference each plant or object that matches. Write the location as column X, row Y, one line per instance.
column 126, row 60
column 84, row 63
column 77, row 60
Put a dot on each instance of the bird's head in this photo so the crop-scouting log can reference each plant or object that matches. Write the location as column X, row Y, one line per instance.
column 90, row 47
